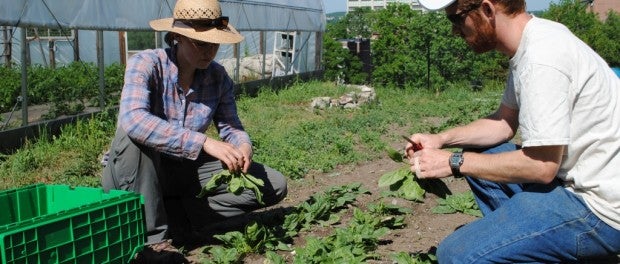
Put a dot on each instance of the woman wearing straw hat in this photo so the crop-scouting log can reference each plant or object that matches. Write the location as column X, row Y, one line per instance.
column 160, row 150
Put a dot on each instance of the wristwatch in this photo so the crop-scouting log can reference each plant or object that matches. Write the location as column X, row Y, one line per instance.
column 456, row 160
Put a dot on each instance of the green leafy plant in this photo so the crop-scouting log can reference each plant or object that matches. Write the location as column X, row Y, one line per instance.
column 222, row 255
column 319, row 208
column 237, row 182
column 391, row 216
column 394, row 155
column 273, row 258
column 258, row 238
column 352, row 244
column 406, row 258
column 463, row 202
column 402, row 182
column 255, row 239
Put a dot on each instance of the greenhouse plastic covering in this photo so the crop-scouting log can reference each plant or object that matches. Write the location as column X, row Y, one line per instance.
column 127, row 15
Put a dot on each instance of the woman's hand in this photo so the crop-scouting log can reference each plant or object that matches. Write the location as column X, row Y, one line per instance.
column 246, row 149
column 233, row 157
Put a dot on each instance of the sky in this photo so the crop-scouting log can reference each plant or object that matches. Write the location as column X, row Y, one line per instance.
column 341, row 5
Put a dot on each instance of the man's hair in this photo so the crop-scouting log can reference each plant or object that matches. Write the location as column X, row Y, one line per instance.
column 509, row 7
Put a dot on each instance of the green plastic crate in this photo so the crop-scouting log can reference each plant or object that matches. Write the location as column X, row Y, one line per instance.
column 60, row 224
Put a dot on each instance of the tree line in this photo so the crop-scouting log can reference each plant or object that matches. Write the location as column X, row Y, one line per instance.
column 412, row 48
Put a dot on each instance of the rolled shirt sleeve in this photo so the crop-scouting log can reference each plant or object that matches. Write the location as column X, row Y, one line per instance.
column 155, row 112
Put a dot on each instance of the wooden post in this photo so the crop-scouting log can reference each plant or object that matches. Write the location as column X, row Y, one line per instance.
column 6, row 41
column 263, row 50
column 101, row 67
column 76, row 45
column 238, row 61
column 318, row 51
column 51, row 43
column 25, row 58
column 122, row 46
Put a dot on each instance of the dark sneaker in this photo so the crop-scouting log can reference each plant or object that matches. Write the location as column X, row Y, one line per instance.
column 162, row 252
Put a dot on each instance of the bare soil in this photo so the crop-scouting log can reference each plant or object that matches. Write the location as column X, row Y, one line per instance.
column 422, row 233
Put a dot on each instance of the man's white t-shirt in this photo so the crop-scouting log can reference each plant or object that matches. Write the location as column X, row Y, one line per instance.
column 568, row 95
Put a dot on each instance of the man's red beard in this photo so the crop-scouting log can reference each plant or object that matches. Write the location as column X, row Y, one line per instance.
column 485, row 38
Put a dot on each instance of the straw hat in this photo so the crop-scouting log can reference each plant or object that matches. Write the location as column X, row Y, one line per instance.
column 200, row 20
column 435, row 4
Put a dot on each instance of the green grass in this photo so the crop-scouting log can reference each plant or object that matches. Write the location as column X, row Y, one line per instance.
column 72, row 158
column 288, row 135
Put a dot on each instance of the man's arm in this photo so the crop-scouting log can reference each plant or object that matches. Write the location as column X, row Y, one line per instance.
column 496, row 128
column 530, row 164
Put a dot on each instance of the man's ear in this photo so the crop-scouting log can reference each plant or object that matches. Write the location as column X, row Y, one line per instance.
column 488, row 9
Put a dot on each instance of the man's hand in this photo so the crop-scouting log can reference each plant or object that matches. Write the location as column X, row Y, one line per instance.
column 418, row 142
column 426, row 158
column 431, row 163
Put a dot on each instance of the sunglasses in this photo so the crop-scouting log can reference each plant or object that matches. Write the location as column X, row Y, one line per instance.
column 201, row 44
column 459, row 18
column 205, row 24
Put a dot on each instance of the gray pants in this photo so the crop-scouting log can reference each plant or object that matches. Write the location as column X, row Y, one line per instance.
column 170, row 186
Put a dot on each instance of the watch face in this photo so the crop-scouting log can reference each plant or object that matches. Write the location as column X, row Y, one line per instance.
column 455, row 163
column 456, row 160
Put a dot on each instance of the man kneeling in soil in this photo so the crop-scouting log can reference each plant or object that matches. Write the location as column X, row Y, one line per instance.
column 554, row 199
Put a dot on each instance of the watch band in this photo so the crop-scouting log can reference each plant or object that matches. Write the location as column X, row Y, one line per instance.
column 456, row 160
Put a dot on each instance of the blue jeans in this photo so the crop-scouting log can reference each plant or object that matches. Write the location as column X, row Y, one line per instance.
column 530, row 223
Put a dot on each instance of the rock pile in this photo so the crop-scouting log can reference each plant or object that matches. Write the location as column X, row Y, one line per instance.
column 361, row 95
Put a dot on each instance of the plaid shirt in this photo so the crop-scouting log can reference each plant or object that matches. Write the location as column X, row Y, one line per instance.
column 155, row 112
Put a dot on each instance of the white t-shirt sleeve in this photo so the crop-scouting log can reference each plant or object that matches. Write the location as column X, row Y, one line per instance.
column 509, row 99
column 542, row 95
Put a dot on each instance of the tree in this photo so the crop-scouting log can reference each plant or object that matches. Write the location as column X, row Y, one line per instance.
column 399, row 46
column 603, row 38
column 340, row 64
column 611, row 29
column 418, row 49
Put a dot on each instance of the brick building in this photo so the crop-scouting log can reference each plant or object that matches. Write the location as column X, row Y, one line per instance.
column 602, row 7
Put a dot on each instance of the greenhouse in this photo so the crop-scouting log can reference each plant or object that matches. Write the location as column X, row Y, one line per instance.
column 281, row 37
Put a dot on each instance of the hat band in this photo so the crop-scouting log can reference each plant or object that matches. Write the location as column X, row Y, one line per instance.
column 200, row 25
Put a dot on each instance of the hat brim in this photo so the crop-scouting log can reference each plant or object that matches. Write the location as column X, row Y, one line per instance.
column 214, row 35
column 435, row 4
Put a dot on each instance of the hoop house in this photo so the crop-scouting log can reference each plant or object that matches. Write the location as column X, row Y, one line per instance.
column 282, row 37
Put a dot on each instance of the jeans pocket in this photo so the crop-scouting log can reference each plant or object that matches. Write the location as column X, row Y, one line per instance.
column 125, row 160
column 599, row 242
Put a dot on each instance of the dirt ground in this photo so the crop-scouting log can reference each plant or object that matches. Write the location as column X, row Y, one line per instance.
column 423, row 231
